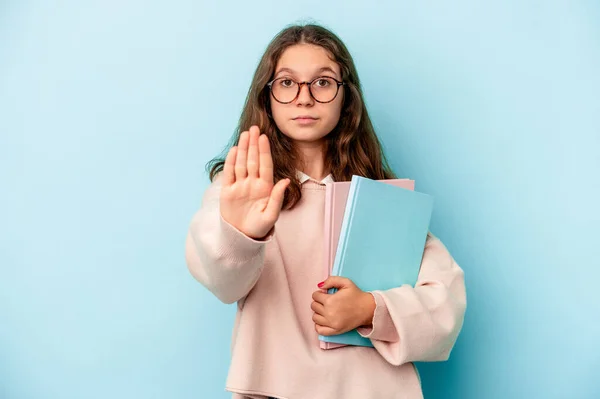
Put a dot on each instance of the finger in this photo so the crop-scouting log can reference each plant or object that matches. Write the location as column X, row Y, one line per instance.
column 276, row 199
column 317, row 307
column 229, row 167
column 335, row 282
column 265, row 158
column 320, row 297
column 253, row 152
column 320, row 320
column 242, row 154
column 323, row 330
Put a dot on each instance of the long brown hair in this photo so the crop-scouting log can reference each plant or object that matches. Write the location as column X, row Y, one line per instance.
column 352, row 148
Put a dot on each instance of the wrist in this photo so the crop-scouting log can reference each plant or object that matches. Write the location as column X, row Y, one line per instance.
column 368, row 306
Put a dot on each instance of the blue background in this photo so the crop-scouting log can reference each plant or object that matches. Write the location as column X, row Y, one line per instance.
column 110, row 109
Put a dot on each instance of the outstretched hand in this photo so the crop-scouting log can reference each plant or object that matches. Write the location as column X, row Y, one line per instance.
column 249, row 200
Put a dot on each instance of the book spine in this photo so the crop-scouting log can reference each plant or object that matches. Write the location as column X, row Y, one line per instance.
column 341, row 245
column 328, row 227
column 348, row 216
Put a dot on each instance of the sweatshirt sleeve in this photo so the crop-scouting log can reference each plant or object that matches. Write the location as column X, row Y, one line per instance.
column 223, row 259
column 382, row 327
column 421, row 323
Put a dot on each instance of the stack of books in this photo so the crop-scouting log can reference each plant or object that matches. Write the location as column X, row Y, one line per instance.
column 375, row 235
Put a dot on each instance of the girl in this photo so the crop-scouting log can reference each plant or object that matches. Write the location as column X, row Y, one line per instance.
column 257, row 240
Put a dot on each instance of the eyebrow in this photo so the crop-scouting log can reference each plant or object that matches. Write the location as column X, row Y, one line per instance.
column 321, row 70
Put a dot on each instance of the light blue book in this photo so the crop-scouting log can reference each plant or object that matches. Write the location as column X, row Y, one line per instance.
column 381, row 242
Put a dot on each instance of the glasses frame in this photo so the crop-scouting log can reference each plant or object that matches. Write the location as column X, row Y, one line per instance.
column 309, row 85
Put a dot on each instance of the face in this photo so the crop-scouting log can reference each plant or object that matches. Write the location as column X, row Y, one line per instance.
column 306, row 120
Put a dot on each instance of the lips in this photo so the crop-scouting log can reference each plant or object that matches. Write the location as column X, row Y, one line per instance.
column 305, row 117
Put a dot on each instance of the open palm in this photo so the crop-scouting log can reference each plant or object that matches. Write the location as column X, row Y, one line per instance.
column 249, row 200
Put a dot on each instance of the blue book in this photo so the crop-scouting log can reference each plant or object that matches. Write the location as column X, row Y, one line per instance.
column 382, row 239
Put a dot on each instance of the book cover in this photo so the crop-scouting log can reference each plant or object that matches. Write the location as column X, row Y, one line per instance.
column 381, row 240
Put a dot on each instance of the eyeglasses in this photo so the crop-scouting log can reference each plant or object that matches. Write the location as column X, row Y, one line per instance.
column 322, row 89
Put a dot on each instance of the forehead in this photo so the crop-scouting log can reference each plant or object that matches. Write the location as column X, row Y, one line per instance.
column 306, row 59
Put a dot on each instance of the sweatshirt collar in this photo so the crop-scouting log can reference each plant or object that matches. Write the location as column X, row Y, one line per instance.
column 303, row 178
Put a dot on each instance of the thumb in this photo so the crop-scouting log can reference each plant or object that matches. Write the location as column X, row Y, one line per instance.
column 276, row 199
column 335, row 282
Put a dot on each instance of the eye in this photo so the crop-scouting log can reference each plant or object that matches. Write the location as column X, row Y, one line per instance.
column 323, row 82
column 286, row 82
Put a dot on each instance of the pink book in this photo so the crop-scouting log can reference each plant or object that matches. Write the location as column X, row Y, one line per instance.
column 336, row 195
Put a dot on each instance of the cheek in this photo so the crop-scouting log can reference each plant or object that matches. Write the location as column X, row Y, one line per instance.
column 334, row 113
column 279, row 112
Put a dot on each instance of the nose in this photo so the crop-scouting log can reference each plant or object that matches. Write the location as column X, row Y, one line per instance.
column 304, row 97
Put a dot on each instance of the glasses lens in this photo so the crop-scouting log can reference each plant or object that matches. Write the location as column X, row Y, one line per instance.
column 284, row 90
column 324, row 89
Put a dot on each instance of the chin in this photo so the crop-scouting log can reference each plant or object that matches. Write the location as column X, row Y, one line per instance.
column 306, row 134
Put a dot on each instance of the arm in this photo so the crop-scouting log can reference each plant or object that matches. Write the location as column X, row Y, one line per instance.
column 242, row 202
column 421, row 323
column 223, row 259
